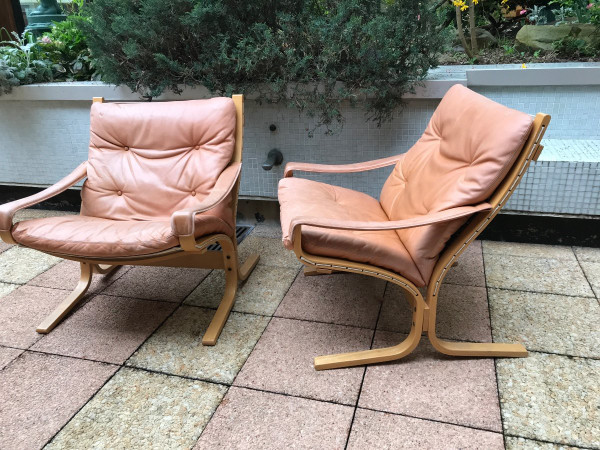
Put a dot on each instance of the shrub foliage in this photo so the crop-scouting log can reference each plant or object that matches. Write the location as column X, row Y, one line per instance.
column 312, row 53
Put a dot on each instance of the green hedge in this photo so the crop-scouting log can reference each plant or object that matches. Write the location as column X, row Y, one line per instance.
column 295, row 51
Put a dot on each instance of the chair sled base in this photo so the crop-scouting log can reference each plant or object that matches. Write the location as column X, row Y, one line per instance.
column 225, row 259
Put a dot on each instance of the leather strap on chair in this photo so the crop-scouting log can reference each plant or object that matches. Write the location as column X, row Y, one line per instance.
column 182, row 221
column 8, row 210
column 428, row 219
column 340, row 168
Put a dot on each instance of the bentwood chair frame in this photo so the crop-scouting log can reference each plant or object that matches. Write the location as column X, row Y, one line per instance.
column 192, row 252
column 424, row 309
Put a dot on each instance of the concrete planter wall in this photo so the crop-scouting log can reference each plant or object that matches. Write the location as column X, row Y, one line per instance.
column 44, row 132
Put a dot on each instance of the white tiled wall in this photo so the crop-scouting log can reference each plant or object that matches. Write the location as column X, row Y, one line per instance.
column 41, row 141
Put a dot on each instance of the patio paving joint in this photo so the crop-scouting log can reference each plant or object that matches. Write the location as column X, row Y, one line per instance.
column 585, row 276
column 261, row 334
column 81, row 358
column 85, row 403
column 429, row 419
column 487, row 294
column 542, row 441
column 541, row 292
column 365, row 368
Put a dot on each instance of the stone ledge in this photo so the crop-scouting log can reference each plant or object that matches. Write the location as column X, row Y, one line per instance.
column 438, row 81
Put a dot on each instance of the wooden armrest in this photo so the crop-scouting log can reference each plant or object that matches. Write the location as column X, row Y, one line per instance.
column 182, row 221
column 340, row 168
column 8, row 210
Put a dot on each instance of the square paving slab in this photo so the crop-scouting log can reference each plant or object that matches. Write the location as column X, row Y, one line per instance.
column 19, row 264
column 167, row 284
column 271, row 251
column 106, row 329
column 344, row 299
column 176, row 347
column 469, row 271
column 429, row 385
column 40, row 393
column 462, row 313
column 282, row 361
column 379, row 430
column 23, row 310
column 587, row 253
column 528, row 250
column 251, row 419
column 551, row 398
column 535, row 274
column 547, row 322
column 261, row 293
column 138, row 409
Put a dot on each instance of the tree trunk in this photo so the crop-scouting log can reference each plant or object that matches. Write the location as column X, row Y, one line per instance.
column 474, row 48
column 461, row 33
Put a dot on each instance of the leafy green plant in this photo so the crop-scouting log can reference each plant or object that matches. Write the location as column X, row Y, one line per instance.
column 571, row 45
column 313, row 54
column 538, row 15
column 508, row 49
column 22, row 61
column 563, row 14
column 65, row 46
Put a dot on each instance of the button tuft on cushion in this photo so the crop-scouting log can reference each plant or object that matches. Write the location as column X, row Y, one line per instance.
column 119, row 193
column 126, row 148
column 193, row 193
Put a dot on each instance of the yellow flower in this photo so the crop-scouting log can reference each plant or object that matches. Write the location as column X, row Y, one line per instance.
column 475, row 2
column 523, row 66
column 463, row 7
column 504, row 1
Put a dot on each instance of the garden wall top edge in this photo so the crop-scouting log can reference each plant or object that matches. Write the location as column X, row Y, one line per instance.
column 438, row 81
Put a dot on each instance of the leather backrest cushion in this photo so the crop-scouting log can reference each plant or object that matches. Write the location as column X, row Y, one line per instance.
column 467, row 149
column 147, row 160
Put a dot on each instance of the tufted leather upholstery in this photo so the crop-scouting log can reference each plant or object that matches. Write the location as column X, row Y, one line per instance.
column 146, row 161
column 466, row 150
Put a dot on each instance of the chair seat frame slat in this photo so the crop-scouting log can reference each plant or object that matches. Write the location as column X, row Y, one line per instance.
column 425, row 309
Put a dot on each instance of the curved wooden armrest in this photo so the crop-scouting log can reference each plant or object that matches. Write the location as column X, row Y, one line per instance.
column 182, row 221
column 428, row 219
column 340, row 168
column 8, row 210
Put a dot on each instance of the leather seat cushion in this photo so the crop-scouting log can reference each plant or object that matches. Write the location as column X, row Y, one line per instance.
column 87, row 236
column 301, row 197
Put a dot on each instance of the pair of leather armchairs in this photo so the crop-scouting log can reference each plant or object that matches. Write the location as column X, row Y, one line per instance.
column 161, row 186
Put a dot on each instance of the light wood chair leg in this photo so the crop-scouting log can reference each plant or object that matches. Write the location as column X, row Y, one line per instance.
column 231, row 281
column 379, row 355
column 468, row 348
column 246, row 269
column 104, row 269
column 68, row 303
column 310, row 271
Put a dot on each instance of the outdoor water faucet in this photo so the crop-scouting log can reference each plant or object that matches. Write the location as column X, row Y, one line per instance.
column 274, row 158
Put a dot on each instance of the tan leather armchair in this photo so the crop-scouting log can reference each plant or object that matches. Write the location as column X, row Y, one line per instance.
column 161, row 186
column 439, row 197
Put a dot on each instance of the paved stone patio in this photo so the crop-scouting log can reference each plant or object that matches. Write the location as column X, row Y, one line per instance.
column 126, row 369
